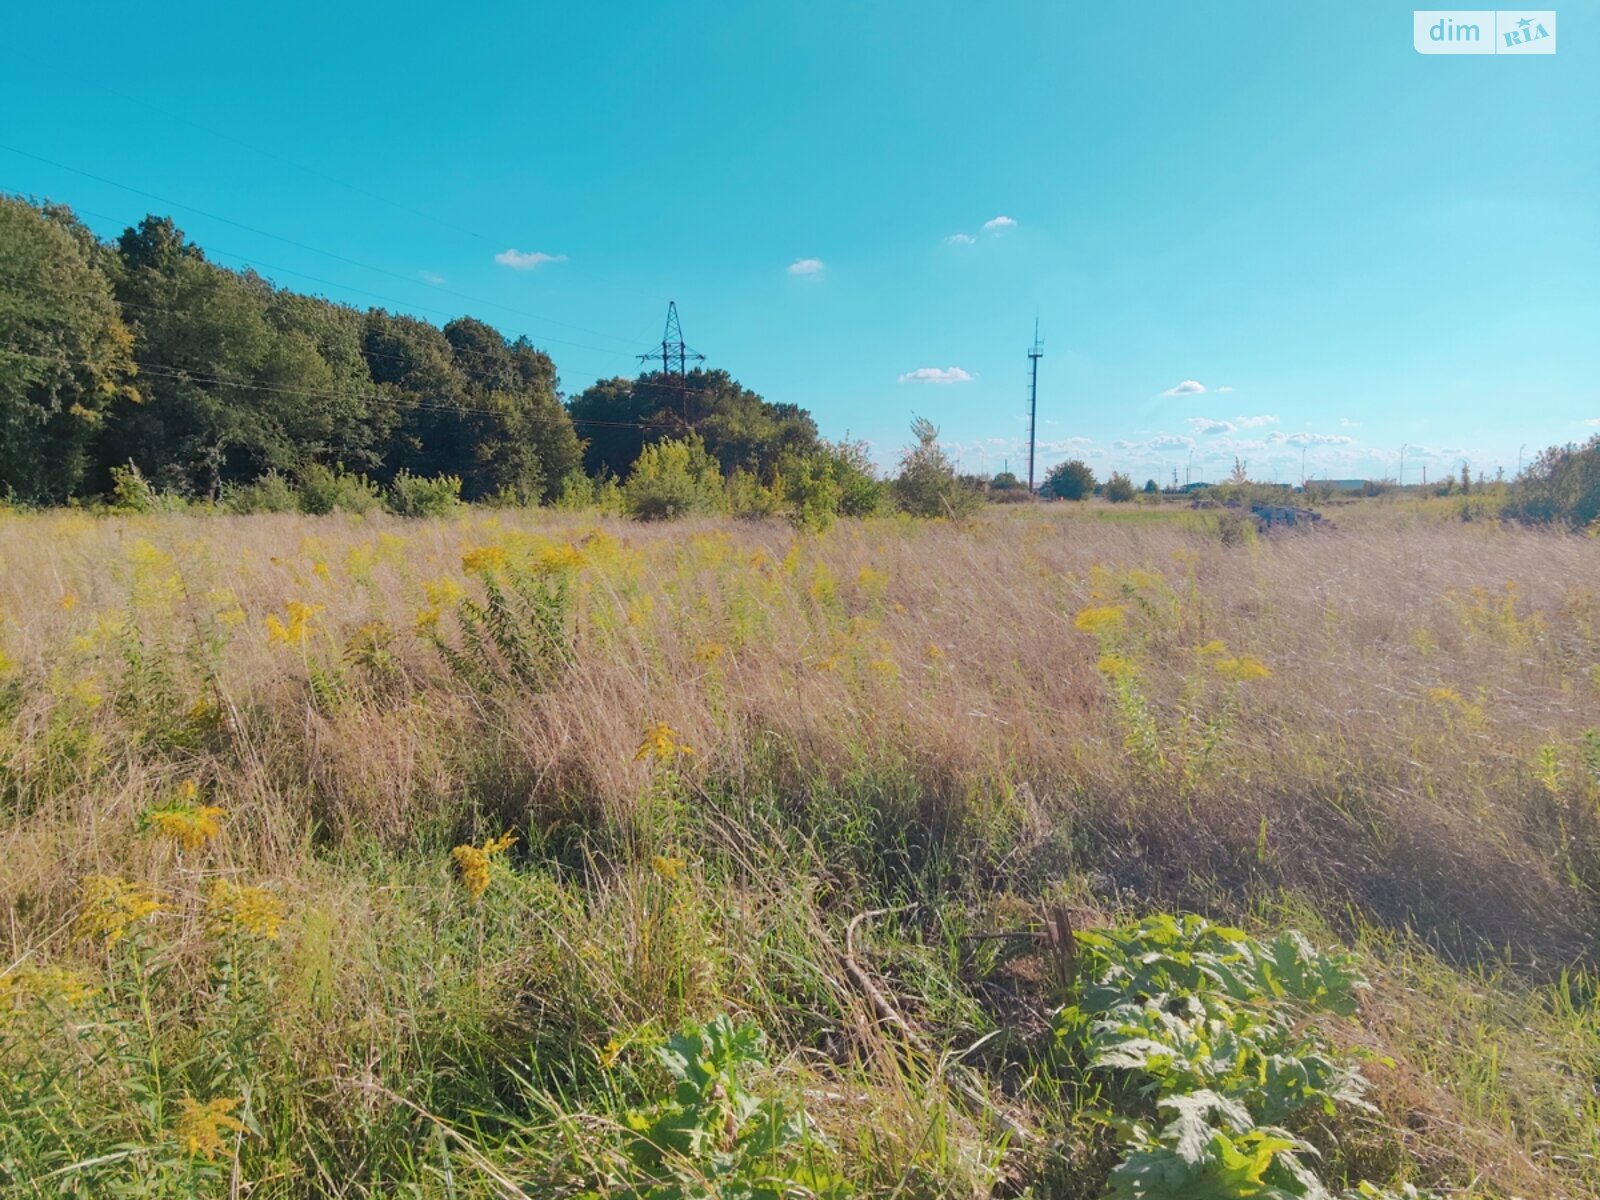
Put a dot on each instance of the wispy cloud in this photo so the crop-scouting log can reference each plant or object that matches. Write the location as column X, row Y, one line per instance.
column 1309, row 439
column 1225, row 389
column 997, row 224
column 527, row 260
column 960, row 239
column 806, row 266
column 1347, row 423
column 1593, row 421
column 937, row 375
column 1253, row 422
column 1161, row 441
column 1210, row 427
column 430, row 277
column 1188, row 387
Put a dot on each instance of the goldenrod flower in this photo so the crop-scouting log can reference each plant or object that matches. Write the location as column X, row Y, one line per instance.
column 69, row 601
column 561, row 558
column 661, row 744
column 1444, row 695
column 609, row 1056
column 668, row 868
column 1245, row 666
column 1115, row 666
column 1213, row 648
column 189, row 824
column 45, row 985
column 484, row 558
column 239, row 908
column 110, row 905
column 199, row 1127
column 1104, row 618
column 473, row 862
column 710, row 652
column 292, row 632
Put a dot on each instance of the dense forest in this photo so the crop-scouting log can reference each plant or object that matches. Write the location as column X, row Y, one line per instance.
column 142, row 353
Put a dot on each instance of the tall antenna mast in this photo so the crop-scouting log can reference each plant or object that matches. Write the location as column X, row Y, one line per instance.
column 674, row 355
column 1035, row 353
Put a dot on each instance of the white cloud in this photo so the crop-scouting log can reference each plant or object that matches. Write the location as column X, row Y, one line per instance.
column 1161, row 441
column 937, row 375
column 960, row 239
column 1224, row 389
column 1309, row 439
column 1594, row 421
column 1347, row 423
column 430, row 277
column 526, row 260
column 1189, row 387
column 997, row 224
column 806, row 266
column 1252, row 422
column 1208, row 427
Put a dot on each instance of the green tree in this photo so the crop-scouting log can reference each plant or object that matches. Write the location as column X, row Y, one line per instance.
column 1119, row 488
column 65, row 354
column 671, row 479
column 1070, row 480
column 927, row 485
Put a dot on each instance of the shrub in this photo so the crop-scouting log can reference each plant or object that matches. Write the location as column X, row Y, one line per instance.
column 927, row 485
column 577, row 492
column 416, row 496
column 272, row 493
column 809, row 494
column 1070, row 480
column 672, row 479
column 861, row 492
column 324, row 490
column 1119, row 488
column 1562, row 486
column 748, row 499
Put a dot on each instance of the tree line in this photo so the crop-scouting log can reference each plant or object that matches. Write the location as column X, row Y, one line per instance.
column 140, row 354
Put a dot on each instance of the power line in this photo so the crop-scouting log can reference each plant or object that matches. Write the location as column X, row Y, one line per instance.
column 184, row 374
column 298, row 244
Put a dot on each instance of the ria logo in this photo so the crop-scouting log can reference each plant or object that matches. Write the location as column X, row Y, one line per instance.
column 1483, row 31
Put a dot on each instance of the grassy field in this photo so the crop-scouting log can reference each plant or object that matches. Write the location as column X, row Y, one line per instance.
column 363, row 857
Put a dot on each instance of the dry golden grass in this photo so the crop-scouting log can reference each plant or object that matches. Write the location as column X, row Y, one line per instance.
column 917, row 703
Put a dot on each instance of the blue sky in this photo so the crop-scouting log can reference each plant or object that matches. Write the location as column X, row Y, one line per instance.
column 861, row 208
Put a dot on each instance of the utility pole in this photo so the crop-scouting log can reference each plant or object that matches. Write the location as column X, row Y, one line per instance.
column 1402, row 466
column 1035, row 353
column 674, row 355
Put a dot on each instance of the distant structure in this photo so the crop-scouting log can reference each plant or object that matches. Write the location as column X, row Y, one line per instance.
column 1339, row 485
column 1035, row 353
column 674, row 355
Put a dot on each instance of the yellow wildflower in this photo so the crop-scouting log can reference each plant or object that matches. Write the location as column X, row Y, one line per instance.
column 319, row 569
column 667, row 868
column 484, row 558
column 199, row 1127
column 884, row 668
column 560, row 558
column 661, row 744
column 1213, row 648
column 190, row 825
column 87, row 693
column 1115, row 666
column 473, row 862
column 111, row 905
column 69, row 601
column 43, row 985
column 7, row 663
column 1104, row 618
column 1445, row 695
column 1245, row 666
column 710, row 652
column 292, row 632
column 240, row 908
column 609, row 1056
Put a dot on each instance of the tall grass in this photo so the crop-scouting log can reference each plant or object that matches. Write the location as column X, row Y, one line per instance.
column 1388, row 730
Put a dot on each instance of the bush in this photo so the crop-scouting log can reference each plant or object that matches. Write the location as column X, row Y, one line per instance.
column 1561, row 487
column 271, row 493
column 131, row 492
column 809, row 494
column 1119, row 488
column 672, row 479
column 324, row 490
column 927, row 485
column 416, row 496
column 748, row 499
column 577, row 492
column 1070, row 480
column 861, row 492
